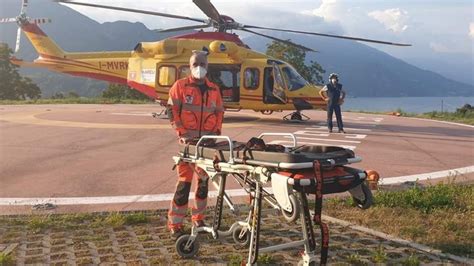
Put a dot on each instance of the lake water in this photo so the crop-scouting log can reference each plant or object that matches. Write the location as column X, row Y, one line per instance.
column 407, row 104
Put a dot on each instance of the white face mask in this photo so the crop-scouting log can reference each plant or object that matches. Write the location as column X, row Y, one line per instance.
column 198, row 72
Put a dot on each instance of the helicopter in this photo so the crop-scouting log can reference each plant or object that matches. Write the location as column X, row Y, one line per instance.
column 249, row 80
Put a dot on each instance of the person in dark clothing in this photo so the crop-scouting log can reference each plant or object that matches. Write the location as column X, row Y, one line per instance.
column 333, row 94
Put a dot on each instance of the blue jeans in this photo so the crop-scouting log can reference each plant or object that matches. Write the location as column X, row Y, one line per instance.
column 335, row 108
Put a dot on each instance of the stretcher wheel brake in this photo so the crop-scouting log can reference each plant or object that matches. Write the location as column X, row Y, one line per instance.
column 241, row 236
column 184, row 250
column 294, row 214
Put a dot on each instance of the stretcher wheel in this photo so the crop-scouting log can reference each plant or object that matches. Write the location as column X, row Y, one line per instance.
column 296, row 116
column 181, row 247
column 368, row 198
column 295, row 210
column 241, row 240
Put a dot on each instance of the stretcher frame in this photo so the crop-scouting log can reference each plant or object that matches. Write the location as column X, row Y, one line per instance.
column 260, row 174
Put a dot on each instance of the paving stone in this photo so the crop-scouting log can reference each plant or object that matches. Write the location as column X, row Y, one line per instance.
column 150, row 244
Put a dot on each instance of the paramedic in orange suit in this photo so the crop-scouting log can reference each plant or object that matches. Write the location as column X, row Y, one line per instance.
column 195, row 109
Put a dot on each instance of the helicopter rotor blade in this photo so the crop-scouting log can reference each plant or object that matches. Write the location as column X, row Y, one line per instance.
column 24, row 6
column 327, row 35
column 281, row 40
column 209, row 9
column 195, row 27
column 69, row 2
column 18, row 38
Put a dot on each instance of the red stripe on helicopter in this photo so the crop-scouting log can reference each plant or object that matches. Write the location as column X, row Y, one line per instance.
column 316, row 99
column 64, row 59
column 33, row 28
column 145, row 89
column 98, row 76
column 220, row 36
column 250, row 96
column 64, row 62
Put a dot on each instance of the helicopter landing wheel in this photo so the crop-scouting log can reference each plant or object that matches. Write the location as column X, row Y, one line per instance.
column 296, row 116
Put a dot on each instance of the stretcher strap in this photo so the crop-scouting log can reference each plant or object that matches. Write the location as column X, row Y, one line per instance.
column 318, row 173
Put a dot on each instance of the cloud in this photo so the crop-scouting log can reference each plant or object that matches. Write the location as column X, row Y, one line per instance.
column 471, row 30
column 330, row 10
column 394, row 19
column 439, row 47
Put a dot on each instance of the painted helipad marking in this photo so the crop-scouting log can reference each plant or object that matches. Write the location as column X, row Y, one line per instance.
column 212, row 194
column 133, row 114
column 329, row 140
column 324, row 128
column 31, row 118
column 311, row 143
column 427, row 176
column 107, row 199
column 318, row 135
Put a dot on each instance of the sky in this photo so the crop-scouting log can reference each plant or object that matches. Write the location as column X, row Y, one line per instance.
column 432, row 27
column 441, row 31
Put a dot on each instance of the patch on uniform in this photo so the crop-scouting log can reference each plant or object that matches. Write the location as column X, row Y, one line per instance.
column 188, row 99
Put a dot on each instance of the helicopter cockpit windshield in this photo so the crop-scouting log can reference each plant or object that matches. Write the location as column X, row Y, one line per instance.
column 294, row 81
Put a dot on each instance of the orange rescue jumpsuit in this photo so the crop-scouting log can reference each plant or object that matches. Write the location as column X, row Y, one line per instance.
column 193, row 114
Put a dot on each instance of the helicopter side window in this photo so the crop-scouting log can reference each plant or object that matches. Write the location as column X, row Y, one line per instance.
column 227, row 77
column 251, row 78
column 166, row 76
column 183, row 72
column 294, row 80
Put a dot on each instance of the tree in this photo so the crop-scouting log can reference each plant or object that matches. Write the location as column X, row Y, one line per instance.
column 312, row 72
column 119, row 91
column 72, row 94
column 12, row 85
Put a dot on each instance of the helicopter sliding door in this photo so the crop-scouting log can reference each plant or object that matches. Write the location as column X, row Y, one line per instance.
column 274, row 86
column 227, row 77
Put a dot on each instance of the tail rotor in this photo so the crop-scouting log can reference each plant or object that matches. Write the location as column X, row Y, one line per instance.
column 23, row 20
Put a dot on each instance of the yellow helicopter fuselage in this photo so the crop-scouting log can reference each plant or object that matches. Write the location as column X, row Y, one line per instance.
column 248, row 79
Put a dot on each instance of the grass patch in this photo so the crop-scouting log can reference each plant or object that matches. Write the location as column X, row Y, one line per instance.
column 441, row 196
column 439, row 216
column 81, row 100
column 6, row 259
column 464, row 115
column 39, row 223
column 355, row 259
column 136, row 218
column 379, row 255
column 265, row 259
column 412, row 260
column 234, row 260
column 117, row 219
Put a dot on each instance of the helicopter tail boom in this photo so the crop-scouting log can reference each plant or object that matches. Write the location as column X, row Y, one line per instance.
column 44, row 45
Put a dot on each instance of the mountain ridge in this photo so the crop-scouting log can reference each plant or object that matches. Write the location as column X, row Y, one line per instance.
column 365, row 71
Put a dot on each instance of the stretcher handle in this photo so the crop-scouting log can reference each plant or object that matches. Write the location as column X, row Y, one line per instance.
column 280, row 134
column 231, row 147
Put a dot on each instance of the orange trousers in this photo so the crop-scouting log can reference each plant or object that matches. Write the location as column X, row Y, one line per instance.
column 179, row 204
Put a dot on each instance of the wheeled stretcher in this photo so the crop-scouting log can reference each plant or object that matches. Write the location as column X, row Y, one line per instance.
column 281, row 176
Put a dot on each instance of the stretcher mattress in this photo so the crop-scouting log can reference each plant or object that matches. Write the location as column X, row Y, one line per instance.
column 301, row 154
